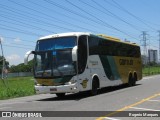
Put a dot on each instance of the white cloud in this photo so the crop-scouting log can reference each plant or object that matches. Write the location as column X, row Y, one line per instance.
column 17, row 40
column 2, row 39
column 14, row 59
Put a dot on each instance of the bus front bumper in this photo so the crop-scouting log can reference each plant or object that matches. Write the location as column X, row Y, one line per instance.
column 72, row 88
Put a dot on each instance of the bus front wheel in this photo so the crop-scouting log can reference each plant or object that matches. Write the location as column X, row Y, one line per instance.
column 95, row 86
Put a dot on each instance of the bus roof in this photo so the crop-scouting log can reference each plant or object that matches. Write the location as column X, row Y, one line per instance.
column 65, row 35
column 109, row 37
column 85, row 33
column 116, row 39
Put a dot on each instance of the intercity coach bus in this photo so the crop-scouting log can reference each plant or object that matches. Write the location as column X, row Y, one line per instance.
column 79, row 61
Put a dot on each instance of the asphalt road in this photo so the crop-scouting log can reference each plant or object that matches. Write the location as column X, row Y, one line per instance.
column 111, row 101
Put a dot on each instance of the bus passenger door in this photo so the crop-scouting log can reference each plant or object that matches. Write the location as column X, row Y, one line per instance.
column 83, row 70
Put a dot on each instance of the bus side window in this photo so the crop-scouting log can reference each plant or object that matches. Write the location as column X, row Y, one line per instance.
column 82, row 53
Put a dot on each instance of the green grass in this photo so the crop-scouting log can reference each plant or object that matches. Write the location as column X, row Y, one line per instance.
column 16, row 87
column 152, row 70
column 24, row 86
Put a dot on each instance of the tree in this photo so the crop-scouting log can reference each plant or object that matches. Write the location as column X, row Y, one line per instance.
column 22, row 68
column 6, row 63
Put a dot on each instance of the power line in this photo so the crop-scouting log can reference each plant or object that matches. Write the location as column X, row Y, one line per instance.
column 26, row 25
column 103, row 22
column 95, row 8
column 18, row 30
column 134, row 16
column 53, row 18
column 64, row 15
column 106, row 24
column 71, row 11
column 85, row 28
column 111, row 14
column 38, row 21
column 35, row 19
column 75, row 13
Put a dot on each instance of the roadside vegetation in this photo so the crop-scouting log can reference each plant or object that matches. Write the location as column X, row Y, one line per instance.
column 151, row 69
column 16, row 87
column 24, row 86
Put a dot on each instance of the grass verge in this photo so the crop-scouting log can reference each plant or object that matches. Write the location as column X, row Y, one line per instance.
column 24, row 86
column 16, row 87
column 151, row 70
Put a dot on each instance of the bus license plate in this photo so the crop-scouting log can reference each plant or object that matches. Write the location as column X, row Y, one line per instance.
column 53, row 89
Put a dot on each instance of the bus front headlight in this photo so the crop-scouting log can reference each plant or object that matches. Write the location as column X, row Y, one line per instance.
column 71, row 82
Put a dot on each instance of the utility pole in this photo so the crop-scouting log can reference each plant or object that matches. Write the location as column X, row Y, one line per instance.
column 159, row 44
column 3, row 64
column 2, row 60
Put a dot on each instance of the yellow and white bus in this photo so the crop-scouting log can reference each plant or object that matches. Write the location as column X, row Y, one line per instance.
column 79, row 61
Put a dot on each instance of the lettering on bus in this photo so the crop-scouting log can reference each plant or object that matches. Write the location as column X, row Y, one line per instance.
column 125, row 62
column 93, row 62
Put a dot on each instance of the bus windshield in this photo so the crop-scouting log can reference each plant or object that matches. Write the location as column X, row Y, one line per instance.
column 56, row 43
column 53, row 57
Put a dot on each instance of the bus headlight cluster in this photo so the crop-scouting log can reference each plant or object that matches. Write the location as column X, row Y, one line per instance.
column 71, row 82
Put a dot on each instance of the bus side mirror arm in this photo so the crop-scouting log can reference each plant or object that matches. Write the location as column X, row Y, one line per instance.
column 74, row 54
column 27, row 56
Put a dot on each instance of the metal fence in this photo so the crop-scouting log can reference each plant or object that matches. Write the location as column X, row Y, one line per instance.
column 18, row 74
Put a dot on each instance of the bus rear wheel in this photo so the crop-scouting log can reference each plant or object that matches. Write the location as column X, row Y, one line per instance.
column 131, row 80
column 135, row 78
column 60, row 95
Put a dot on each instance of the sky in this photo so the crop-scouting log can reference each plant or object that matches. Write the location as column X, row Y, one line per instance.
column 23, row 22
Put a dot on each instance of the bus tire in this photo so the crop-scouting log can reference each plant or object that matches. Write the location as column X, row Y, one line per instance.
column 95, row 85
column 60, row 95
column 135, row 79
column 131, row 81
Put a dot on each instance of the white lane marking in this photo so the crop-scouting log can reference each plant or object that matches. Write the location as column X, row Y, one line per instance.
column 5, row 107
column 144, row 109
column 154, row 100
column 146, row 78
column 1, row 104
column 110, row 118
